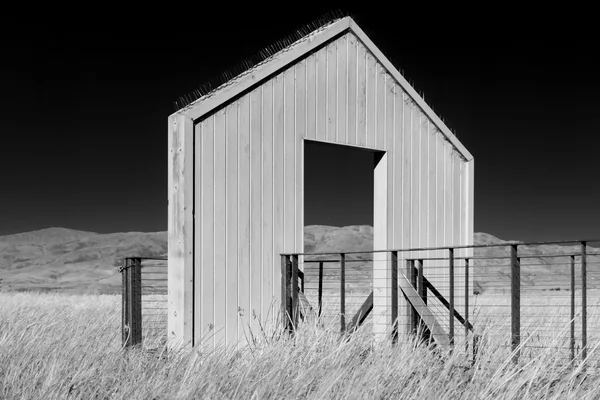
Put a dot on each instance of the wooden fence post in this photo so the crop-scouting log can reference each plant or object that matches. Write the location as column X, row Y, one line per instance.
column 320, row 287
column 286, row 301
column 131, row 323
column 515, row 302
column 410, row 310
column 343, row 292
column 572, row 323
column 394, row 294
column 583, row 301
column 125, row 301
column 466, row 306
column 422, row 291
column 451, row 295
column 295, row 308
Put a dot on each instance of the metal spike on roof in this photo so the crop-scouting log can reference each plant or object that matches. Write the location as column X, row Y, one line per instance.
column 258, row 58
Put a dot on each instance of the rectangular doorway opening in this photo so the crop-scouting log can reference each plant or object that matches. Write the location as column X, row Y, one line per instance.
column 345, row 190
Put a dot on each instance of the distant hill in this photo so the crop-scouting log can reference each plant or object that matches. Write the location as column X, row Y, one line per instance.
column 77, row 261
column 70, row 260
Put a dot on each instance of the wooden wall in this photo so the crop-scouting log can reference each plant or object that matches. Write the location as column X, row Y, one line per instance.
column 248, row 185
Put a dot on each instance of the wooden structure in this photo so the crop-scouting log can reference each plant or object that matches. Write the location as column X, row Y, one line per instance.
column 236, row 162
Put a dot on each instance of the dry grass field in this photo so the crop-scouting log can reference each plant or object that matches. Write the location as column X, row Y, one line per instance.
column 55, row 346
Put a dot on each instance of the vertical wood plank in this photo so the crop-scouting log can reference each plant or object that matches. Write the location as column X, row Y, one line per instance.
column 243, row 312
column 332, row 118
column 208, row 232
column 456, row 206
column 352, row 88
column 256, row 215
column 270, row 272
column 361, row 96
column 407, row 165
column 180, row 234
column 311, row 97
column 220, row 238
column 342, row 90
column 199, row 132
column 321, row 58
column 392, row 210
column 424, row 182
column 300, row 129
column 380, row 107
column 278, row 171
column 447, row 194
column 231, row 221
column 289, row 182
column 381, row 261
column 398, row 168
column 415, row 190
column 371, row 118
column 432, row 189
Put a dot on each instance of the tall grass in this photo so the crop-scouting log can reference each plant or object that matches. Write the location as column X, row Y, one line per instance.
column 57, row 346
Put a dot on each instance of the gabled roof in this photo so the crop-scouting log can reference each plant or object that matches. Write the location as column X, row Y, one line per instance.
column 288, row 56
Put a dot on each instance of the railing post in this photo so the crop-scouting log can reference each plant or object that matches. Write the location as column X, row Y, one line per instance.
column 295, row 308
column 583, row 300
column 343, row 292
column 572, row 342
column 320, row 287
column 422, row 291
column 466, row 306
column 451, row 295
column 286, row 303
column 125, row 304
column 410, row 310
column 132, row 302
column 394, row 294
column 515, row 302
column 136, row 296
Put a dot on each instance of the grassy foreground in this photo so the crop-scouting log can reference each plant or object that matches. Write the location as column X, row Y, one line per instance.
column 58, row 346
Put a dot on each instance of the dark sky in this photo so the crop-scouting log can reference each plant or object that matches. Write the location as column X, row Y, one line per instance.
column 85, row 102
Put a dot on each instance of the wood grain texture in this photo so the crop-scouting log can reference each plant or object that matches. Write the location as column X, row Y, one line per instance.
column 180, row 225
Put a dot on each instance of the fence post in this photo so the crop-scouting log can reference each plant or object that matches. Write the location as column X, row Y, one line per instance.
column 451, row 295
column 295, row 308
column 410, row 310
column 515, row 302
column 286, row 302
column 343, row 292
column 136, row 300
column 572, row 342
column 125, row 301
column 583, row 301
column 466, row 306
column 422, row 291
column 320, row 287
column 394, row 294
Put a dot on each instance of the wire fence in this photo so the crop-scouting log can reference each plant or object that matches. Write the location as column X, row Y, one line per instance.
column 144, row 302
column 525, row 299
column 528, row 299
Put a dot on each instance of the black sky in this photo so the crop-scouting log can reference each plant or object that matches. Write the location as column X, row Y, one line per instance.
column 85, row 101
